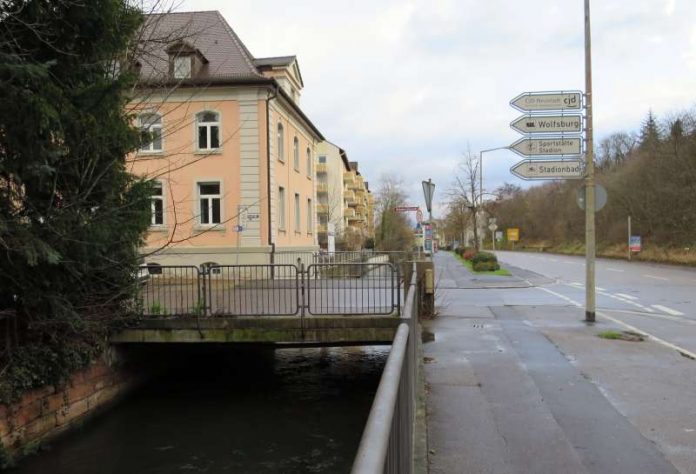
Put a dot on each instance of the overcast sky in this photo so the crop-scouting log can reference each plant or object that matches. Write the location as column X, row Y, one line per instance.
column 405, row 86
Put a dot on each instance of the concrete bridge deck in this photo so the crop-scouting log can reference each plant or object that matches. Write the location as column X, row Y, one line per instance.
column 324, row 330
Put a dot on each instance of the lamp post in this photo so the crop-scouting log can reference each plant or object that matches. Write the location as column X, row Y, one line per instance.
column 428, row 191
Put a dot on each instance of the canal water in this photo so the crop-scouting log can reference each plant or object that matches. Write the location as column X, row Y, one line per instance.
column 223, row 411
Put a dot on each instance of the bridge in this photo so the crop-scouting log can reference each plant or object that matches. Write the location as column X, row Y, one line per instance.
column 329, row 301
column 321, row 299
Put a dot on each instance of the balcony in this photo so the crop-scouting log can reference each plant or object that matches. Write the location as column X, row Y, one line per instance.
column 322, row 208
column 321, row 228
column 349, row 178
column 349, row 196
column 322, row 188
column 321, row 168
column 348, row 212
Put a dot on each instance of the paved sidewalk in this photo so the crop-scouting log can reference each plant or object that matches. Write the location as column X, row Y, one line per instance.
column 502, row 398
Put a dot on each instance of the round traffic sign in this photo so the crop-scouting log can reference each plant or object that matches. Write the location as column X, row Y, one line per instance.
column 600, row 197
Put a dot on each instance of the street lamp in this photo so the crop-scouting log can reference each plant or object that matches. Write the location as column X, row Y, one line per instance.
column 481, row 167
column 428, row 191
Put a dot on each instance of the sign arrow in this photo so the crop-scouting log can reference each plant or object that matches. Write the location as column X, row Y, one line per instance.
column 548, row 124
column 544, row 101
column 549, row 169
column 551, row 146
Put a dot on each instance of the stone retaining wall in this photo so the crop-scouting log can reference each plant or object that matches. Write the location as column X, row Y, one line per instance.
column 47, row 412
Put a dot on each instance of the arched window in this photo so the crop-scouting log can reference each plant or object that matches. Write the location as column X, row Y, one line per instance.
column 150, row 125
column 281, row 142
column 309, row 163
column 296, row 154
column 208, row 125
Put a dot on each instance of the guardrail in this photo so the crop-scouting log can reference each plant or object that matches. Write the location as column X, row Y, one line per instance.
column 387, row 444
column 325, row 288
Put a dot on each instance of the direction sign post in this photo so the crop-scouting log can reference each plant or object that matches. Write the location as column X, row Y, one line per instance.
column 553, row 146
column 548, row 169
column 544, row 101
column 548, row 124
column 590, row 295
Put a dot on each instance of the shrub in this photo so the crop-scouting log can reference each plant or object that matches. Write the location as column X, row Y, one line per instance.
column 484, row 257
column 469, row 254
column 486, row 266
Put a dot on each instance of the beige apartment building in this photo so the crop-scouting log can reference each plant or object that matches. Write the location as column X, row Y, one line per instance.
column 359, row 206
column 231, row 151
column 332, row 161
column 344, row 201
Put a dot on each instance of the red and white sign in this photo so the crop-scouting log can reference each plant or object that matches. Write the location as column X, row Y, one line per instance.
column 406, row 208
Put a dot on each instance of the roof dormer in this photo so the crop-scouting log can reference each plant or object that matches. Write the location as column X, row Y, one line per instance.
column 286, row 71
column 185, row 61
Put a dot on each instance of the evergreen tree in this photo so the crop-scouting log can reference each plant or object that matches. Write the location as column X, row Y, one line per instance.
column 71, row 216
column 650, row 135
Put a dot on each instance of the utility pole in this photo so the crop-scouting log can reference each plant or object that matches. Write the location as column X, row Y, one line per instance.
column 590, row 295
column 629, row 237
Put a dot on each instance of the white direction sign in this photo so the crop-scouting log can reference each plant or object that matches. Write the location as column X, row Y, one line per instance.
column 548, row 124
column 549, row 169
column 553, row 146
column 543, row 101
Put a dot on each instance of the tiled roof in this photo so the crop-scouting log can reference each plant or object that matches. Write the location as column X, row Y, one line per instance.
column 208, row 32
column 275, row 61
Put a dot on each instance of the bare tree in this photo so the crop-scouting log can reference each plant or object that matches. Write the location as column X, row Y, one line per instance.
column 393, row 229
column 466, row 190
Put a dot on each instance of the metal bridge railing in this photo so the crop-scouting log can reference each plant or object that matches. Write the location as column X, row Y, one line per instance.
column 387, row 444
column 327, row 288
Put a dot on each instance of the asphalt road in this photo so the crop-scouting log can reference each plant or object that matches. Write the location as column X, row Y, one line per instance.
column 656, row 299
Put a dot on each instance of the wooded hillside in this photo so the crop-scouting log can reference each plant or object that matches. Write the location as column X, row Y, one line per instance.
column 649, row 175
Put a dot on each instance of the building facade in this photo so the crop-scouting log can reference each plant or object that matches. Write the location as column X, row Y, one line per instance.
column 230, row 151
column 332, row 162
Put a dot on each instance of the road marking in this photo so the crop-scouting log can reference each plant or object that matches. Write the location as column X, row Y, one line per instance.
column 653, row 315
column 576, row 284
column 667, row 310
column 599, row 288
column 656, row 277
column 558, row 295
column 681, row 350
column 614, row 270
column 632, row 303
column 628, row 297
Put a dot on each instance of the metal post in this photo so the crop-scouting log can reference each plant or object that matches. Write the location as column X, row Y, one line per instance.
column 629, row 238
column 589, row 179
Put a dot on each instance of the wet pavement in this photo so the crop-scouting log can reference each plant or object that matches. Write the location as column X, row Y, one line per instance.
column 517, row 383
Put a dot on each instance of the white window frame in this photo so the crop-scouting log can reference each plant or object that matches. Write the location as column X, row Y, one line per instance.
column 281, row 208
column 298, row 215
column 209, row 128
column 296, row 154
column 183, row 66
column 309, row 163
column 153, row 199
column 152, row 128
column 210, row 198
column 280, row 141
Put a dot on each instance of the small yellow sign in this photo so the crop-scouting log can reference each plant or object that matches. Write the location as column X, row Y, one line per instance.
column 513, row 234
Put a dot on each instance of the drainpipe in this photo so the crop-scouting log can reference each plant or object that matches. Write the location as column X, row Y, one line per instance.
column 272, row 96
